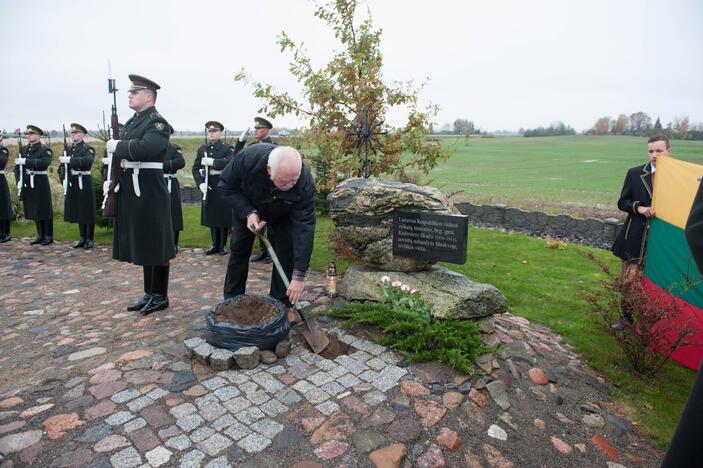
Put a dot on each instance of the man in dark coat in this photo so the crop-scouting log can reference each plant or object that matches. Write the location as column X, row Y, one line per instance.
column 636, row 201
column 172, row 163
column 262, row 127
column 79, row 203
column 143, row 234
column 686, row 448
column 5, row 202
column 33, row 183
column 268, row 185
column 211, row 159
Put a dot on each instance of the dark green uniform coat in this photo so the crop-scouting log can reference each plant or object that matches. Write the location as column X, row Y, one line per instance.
column 215, row 212
column 79, row 204
column 5, row 203
column 142, row 232
column 174, row 161
column 37, row 200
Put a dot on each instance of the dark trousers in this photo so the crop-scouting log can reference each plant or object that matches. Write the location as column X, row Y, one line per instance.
column 175, row 235
column 156, row 279
column 4, row 226
column 45, row 227
column 238, row 265
column 219, row 237
column 87, row 231
column 686, row 449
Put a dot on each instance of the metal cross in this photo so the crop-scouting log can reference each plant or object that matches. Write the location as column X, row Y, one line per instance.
column 367, row 129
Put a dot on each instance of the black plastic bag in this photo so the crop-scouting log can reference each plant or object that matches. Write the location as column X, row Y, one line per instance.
column 264, row 335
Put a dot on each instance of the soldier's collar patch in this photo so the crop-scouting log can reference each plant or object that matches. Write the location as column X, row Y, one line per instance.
column 159, row 126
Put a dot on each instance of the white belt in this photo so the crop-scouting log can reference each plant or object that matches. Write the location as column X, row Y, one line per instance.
column 214, row 172
column 80, row 179
column 169, row 177
column 136, row 166
column 32, row 174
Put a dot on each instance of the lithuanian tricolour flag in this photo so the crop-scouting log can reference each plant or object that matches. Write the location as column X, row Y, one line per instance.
column 669, row 266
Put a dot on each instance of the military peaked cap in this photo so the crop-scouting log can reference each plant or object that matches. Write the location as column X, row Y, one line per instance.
column 263, row 122
column 213, row 124
column 140, row 82
column 34, row 129
column 79, row 128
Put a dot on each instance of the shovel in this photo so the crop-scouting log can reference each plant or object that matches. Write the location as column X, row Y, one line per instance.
column 312, row 332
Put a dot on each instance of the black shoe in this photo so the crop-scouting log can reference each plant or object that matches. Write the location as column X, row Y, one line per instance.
column 5, row 237
column 268, row 259
column 89, row 244
column 47, row 240
column 79, row 244
column 139, row 304
column 212, row 250
column 224, row 251
column 156, row 302
column 38, row 240
column 258, row 257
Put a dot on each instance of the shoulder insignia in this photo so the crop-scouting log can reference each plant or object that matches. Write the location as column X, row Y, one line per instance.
column 159, row 126
column 179, row 151
column 91, row 150
column 48, row 150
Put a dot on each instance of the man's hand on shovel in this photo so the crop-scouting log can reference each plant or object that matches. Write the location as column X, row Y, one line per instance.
column 254, row 223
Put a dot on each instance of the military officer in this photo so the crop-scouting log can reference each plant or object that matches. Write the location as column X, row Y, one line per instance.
column 5, row 203
column 262, row 127
column 33, row 185
column 211, row 159
column 79, row 203
column 172, row 163
column 142, row 233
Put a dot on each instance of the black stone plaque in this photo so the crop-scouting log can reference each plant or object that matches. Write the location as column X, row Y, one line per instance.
column 430, row 236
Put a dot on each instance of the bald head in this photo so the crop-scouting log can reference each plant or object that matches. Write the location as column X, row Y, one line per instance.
column 284, row 167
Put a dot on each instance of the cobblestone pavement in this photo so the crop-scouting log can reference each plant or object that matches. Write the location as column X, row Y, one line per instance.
column 83, row 382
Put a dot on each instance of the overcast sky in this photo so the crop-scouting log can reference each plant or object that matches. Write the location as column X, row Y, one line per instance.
column 503, row 64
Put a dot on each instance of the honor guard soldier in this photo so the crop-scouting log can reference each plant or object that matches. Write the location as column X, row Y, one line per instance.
column 172, row 163
column 5, row 202
column 210, row 160
column 142, row 233
column 79, row 203
column 33, row 185
column 262, row 127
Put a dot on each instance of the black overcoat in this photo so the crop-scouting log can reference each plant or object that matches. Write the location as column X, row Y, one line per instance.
column 246, row 186
column 79, row 204
column 142, row 232
column 5, row 201
column 636, row 191
column 37, row 200
column 172, row 163
column 215, row 212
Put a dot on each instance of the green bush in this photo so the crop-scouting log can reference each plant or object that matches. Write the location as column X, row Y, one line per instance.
column 452, row 342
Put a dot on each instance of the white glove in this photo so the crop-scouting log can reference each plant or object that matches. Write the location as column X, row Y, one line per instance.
column 207, row 161
column 106, row 160
column 111, row 145
column 244, row 134
column 65, row 159
column 203, row 187
column 20, row 161
column 19, row 185
column 106, row 186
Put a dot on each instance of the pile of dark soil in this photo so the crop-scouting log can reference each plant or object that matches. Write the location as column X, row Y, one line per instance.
column 249, row 311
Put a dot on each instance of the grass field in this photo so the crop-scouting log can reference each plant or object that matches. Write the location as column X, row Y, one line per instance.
column 579, row 174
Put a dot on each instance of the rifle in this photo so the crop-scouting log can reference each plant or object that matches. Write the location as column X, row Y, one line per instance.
column 113, row 167
column 65, row 165
column 207, row 169
column 19, row 155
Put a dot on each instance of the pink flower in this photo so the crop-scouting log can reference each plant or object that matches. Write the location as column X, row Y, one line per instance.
column 385, row 279
column 405, row 288
column 413, row 291
column 396, row 284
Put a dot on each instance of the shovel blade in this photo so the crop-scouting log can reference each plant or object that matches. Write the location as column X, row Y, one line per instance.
column 314, row 335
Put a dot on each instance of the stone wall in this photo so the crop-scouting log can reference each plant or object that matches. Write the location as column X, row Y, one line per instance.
column 591, row 231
